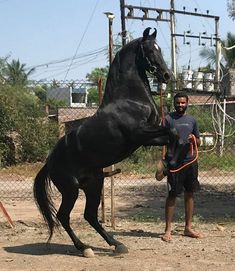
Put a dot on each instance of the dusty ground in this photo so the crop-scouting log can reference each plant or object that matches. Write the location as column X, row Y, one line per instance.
column 23, row 248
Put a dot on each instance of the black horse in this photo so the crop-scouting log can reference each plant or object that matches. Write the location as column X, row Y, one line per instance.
column 126, row 119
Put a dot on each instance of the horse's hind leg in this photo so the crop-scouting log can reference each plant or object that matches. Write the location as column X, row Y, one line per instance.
column 92, row 191
column 69, row 190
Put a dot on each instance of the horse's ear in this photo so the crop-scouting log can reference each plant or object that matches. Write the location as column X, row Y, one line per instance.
column 146, row 33
column 154, row 34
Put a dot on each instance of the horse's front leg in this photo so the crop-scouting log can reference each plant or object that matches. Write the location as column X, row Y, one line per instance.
column 159, row 136
column 151, row 135
column 157, row 141
column 92, row 190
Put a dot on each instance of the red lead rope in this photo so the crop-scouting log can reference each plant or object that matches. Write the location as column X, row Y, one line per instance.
column 192, row 145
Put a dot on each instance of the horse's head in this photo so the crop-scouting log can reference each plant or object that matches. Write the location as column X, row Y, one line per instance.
column 152, row 56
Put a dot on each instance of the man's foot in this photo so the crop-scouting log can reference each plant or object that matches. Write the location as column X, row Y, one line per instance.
column 191, row 233
column 167, row 237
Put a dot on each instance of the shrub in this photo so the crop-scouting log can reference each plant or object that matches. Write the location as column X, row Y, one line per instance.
column 22, row 112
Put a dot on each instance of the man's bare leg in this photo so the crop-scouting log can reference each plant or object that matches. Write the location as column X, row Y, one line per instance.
column 169, row 213
column 189, row 207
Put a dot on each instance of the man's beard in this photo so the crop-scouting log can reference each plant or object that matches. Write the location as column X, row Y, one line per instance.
column 180, row 110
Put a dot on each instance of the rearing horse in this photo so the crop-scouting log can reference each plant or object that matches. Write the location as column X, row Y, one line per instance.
column 126, row 119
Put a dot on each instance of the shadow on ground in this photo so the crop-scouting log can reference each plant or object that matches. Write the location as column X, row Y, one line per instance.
column 53, row 248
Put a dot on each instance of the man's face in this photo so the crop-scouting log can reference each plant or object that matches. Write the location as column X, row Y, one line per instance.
column 180, row 105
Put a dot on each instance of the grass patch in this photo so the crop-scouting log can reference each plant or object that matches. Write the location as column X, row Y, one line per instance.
column 26, row 169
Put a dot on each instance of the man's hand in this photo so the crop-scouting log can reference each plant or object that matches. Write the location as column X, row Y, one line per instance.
column 191, row 138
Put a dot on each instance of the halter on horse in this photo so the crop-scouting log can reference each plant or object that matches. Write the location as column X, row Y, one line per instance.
column 126, row 119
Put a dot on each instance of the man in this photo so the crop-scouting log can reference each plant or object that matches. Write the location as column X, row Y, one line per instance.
column 187, row 178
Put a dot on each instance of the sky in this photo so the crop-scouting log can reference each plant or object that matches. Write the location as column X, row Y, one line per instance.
column 66, row 39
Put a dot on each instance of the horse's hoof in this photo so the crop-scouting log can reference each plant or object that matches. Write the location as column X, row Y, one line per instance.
column 121, row 249
column 88, row 253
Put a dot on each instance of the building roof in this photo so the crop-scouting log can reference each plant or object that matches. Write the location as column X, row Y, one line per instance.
column 66, row 114
column 201, row 99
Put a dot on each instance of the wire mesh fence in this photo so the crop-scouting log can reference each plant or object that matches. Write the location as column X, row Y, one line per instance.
column 62, row 104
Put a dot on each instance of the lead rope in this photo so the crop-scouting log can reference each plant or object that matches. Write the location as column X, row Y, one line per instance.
column 163, row 118
column 164, row 147
column 192, row 151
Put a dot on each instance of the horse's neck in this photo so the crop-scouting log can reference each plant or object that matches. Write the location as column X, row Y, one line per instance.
column 125, row 80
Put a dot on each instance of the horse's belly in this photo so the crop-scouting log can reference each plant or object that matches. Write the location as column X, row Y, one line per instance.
column 103, row 156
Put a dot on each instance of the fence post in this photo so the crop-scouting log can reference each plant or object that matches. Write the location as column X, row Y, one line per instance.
column 6, row 215
column 103, row 219
column 112, row 200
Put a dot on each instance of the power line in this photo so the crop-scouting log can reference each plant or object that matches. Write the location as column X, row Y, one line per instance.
column 84, row 33
column 169, row 15
column 196, row 3
column 63, row 68
column 84, row 55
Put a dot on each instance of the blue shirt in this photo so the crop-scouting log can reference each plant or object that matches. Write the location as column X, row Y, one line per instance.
column 184, row 125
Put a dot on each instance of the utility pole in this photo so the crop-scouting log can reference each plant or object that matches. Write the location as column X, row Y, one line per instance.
column 173, row 44
column 110, row 17
column 123, row 22
column 218, row 54
column 168, row 15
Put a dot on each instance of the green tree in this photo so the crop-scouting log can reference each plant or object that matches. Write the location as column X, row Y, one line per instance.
column 209, row 55
column 228, row 56
column 93, row 96
column 16, row 74
column 3, row 63
column 41, row 93
column 94, row 77
column 21, row 112
column 97, row 74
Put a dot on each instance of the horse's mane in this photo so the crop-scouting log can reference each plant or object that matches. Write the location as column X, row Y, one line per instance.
column 130, row 47
column 125, row 63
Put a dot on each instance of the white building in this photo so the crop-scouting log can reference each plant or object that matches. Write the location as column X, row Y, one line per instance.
column 72, row 97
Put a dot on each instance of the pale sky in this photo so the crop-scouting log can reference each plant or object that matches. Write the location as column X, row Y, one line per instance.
column 71, row 36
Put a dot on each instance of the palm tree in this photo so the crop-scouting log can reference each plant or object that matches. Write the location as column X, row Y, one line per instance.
column 97, row 74
column 96, row 77
column 228, row 60
column 16, row 73
column 231, row 9
column 229, row 55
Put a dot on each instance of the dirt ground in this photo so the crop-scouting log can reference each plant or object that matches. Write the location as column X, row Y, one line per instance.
column 139, row 225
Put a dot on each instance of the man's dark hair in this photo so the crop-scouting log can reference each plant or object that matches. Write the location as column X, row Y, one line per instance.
column 181, row 95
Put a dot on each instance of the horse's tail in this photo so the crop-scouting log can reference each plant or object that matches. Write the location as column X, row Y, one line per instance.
column 43, row 199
